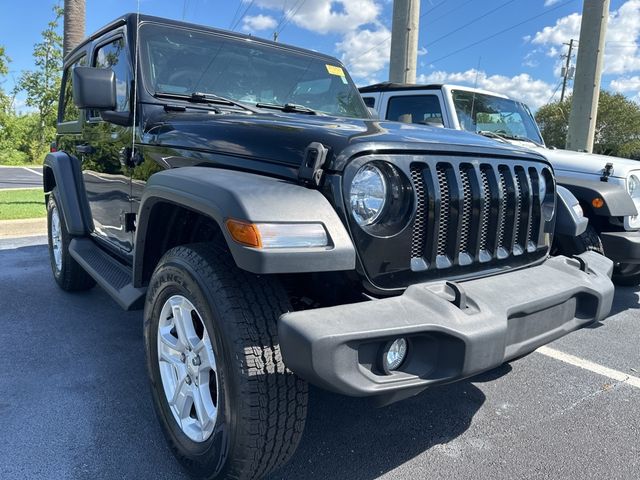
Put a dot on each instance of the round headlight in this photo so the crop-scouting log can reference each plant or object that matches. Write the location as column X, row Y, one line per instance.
column 633, row 186
column 368, row 194
column 542, row 186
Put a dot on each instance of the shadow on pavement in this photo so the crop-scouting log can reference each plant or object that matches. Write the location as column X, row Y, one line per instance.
column 626, row 298
column 350, row 438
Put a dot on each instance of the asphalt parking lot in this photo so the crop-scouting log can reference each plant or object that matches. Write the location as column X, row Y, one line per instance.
column 76, row 404
column 20, row 177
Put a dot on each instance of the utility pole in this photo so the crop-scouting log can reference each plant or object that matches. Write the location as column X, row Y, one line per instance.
column 74, row 19
column 586, row 86
column 567, row 74
column 404, row 41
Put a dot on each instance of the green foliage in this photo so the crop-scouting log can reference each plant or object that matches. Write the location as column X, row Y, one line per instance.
column 42, row 87
column 617, row 125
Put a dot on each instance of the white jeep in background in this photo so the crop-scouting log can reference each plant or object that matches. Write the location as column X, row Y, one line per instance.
column 608, row 188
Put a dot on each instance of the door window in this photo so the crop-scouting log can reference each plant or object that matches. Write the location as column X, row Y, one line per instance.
column 68, row 110
column 423, row 109
column 113, row 55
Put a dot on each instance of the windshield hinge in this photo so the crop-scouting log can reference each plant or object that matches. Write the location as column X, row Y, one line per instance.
column 310, row 171
column 606, row 172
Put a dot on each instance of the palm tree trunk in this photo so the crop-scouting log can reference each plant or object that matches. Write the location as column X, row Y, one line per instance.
column 74, row 20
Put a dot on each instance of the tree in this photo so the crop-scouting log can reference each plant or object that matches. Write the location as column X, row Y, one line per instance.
column 617, row 125
column 42, row 85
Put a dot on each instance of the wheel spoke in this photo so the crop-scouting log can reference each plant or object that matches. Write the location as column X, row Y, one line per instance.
column 183, row 323
column 182, row 399
column 204, row 416
column 205, row 352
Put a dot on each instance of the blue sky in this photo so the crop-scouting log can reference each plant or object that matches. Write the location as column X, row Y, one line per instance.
column 523, row 61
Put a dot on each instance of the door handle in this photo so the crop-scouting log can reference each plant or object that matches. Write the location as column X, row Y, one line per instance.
column 85, row 149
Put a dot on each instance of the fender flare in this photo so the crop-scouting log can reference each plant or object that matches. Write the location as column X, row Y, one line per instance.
column 67, row 177
column 617, row 201
column 568, row 222
column 221, row 194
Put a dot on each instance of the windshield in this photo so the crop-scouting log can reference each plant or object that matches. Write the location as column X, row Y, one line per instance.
column 183, row 61
column 478, row 112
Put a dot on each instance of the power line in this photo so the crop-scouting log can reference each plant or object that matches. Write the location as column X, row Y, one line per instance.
column 422, row 15
column 477, row 19
column 293, row 12
column 505, row 30
column 246, row 10
column 235, row 15
column 451, row 11
column 554, row 92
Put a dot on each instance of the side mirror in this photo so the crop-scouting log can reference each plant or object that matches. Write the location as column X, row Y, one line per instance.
column 94, row 88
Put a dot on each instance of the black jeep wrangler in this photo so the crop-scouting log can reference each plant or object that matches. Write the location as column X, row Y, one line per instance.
column 276, row 234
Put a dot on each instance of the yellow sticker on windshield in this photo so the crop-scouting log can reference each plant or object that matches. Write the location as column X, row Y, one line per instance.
column 333, row 70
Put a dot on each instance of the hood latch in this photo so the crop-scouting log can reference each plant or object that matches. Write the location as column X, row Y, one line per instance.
column 606, row 172
column 310, row 171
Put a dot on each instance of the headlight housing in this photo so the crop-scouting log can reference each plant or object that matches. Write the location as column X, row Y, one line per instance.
column 368, row 194
column 633, row 188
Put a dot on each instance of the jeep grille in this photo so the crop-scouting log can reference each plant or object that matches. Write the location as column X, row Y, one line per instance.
column 474, row 213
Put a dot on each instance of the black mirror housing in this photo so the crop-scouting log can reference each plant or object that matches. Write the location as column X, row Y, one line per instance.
column 94, row 88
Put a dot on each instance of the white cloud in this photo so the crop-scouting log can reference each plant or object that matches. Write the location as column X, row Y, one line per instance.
column 324, row 16
column 258, row 23
column 549, row 3
column 622, row 52
column 523, row 87
column 364, row 46
column 626, row 84
column 365, row 51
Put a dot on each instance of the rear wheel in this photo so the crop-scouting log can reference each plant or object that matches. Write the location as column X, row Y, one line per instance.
column 68, row 273
column 228, row 406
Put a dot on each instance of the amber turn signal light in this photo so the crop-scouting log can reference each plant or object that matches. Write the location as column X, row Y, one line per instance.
column 244, row 233
column 597, row 202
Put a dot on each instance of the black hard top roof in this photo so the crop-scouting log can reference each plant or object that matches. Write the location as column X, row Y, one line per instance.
column 130, row 19
column 389, row 86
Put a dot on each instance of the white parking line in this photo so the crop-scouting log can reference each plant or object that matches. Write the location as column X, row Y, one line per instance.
column 591, row 366
column 33, row 171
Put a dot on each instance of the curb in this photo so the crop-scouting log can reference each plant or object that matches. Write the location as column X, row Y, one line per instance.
column 23, row 228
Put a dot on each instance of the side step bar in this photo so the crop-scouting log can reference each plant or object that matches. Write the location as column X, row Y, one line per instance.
column 110, row 274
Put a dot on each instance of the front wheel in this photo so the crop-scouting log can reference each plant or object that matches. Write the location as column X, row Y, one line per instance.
column 228, row 406
column 626, row 274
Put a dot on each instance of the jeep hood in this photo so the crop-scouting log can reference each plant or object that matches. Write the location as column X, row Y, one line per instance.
column 283, row 138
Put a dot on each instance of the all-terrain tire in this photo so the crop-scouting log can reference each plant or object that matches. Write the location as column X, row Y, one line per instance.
column 262, row 405
column 589, row 241
column 68, row 273
column 626, row 275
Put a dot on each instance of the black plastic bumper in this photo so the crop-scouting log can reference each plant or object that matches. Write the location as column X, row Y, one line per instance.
column 499, row 318
column 622, row 247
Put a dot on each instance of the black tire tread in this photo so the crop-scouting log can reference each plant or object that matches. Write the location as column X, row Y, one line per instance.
column 271, row 401
column 72, row 277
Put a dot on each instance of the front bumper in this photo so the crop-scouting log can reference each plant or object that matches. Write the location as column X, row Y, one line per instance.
column 499, row 318
column 622, row 247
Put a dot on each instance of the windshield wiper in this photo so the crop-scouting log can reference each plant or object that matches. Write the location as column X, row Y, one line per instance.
column 506, row 136
column 490, row 134
column 209, row 98
column 288, row 107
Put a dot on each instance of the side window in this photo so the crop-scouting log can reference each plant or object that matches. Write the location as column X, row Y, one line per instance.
column 423, row 109
column 369, row 101
column 114, row 56
column 68, row 111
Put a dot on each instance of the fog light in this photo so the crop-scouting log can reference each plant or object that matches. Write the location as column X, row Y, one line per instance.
column 394, row 354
